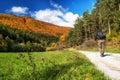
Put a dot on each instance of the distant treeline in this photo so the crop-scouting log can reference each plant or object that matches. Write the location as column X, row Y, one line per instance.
column 17, row 40
column 105, row 15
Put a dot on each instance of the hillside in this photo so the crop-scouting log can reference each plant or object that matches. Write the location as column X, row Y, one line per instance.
column 23, row 33
column 26, row 23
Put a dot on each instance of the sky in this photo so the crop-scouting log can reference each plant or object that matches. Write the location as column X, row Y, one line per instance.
column 58, row 12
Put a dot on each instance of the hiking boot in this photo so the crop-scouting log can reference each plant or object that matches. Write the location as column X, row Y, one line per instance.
column 102, row 55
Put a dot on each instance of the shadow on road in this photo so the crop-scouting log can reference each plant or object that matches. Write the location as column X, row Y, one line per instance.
column 107, row 55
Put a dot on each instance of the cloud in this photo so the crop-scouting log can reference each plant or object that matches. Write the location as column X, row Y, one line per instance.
column 92, row 3
column 57, row 6
column 18, row 10
column 70, row 17
column 56, row 17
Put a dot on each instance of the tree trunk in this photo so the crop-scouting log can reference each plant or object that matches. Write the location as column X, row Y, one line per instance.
column 119, row 6
column 109, row 29
column 100, row 21
column 86, row 32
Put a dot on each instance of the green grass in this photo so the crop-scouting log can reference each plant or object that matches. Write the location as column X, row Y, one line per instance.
column 111, row 50
column 54, row 65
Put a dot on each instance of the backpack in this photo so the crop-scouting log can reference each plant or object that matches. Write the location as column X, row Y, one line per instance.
column 101, row 35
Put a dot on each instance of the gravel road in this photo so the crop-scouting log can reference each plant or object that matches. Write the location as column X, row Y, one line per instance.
column 109, row 64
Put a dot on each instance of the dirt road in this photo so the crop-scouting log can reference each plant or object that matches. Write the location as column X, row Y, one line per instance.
column 109, row 64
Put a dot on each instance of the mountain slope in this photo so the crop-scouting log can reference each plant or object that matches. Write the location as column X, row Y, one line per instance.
column 26, row 23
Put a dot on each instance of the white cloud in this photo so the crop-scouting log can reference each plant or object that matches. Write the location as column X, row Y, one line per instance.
column 57, row 6
column 56, row 17
column 70, row 17
column 19, row 10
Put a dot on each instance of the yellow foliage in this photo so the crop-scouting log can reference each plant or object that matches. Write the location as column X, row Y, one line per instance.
column 116, row 39
column 115, row 42
column 2, row 43
column 62, row 38
column 52, row 47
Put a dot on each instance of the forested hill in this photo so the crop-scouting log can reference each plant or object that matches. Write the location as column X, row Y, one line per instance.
column 22, row 33
column 26, row 23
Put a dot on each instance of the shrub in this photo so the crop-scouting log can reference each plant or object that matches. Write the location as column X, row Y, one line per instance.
column 88, row 44
column 52, row 47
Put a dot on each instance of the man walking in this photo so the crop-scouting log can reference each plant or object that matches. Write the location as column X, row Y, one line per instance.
column 100, row 37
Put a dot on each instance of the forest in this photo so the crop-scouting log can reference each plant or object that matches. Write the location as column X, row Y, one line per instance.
column 105, row 15
column 17, row 40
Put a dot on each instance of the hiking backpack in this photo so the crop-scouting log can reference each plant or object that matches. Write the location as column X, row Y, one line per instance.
column 100, row 35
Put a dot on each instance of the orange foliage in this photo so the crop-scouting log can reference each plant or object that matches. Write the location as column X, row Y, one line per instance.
column 29, row 24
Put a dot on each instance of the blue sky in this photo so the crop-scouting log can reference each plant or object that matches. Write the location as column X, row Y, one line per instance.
column 59, row 12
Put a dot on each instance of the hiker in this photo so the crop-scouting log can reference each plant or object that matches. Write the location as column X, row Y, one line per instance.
column 100, row 37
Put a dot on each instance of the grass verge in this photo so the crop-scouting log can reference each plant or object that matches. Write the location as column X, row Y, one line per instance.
column 54, row 65
column 111, row 50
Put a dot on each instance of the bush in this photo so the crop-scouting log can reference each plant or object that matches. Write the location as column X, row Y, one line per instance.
column 88, row 44
column 52, row 47
column 110, row 36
